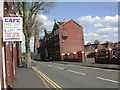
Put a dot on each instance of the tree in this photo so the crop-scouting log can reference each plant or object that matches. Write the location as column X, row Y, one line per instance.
column 107, row 41
column 96, row 42
column 38, row 28
column 88, row 43
column 28, row 11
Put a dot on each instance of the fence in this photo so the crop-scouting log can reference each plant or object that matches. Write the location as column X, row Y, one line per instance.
column 107, row 56
column 74, row 57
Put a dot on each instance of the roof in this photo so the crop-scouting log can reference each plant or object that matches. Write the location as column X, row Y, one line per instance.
column 88, row 47
column 55, row 26
column 73, row 21
column 60, row 23
column 105, row 45
column 94, row 46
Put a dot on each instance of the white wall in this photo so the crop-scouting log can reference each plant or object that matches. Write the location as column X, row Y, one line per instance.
column 1, row 8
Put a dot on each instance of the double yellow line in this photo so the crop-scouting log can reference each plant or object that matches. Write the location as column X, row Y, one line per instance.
column 57, row 87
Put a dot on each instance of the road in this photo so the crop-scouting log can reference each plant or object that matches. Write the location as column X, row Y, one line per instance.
column 73, row 76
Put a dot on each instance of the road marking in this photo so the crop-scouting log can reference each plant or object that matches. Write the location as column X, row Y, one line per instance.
column 107, row 79
column 47, row 79
column 60, row 68
column 42, row 80
column 76, row 72
column 50, row 65
column 95, row 68
column 87, row 67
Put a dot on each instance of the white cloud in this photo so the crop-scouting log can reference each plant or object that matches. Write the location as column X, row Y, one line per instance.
column 44, row 20
column 91, row 37
column 41, row 18
column 87, row 20
column 98, row 25
column 107, row 28
column 115, row 35
column 107, row 21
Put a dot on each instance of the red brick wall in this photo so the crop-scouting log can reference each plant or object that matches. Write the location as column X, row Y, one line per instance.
column 9, row 10
column 100, row 47
column 1, row 65
column 88, row 51
column 75, row 39
column 9, row 57
column 9, row 65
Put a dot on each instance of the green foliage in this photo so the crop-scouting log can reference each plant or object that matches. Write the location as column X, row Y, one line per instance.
column 29, row 11
column 96, row 42
column 88, row 43
column 107, row 41
column 24, row 54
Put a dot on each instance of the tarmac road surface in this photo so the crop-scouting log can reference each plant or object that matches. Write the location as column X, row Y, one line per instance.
column 73, row 76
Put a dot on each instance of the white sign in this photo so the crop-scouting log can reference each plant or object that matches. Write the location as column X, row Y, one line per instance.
column 12, row 29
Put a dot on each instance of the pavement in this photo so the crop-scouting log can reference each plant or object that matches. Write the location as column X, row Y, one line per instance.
column 28, row 78
column 92, row 64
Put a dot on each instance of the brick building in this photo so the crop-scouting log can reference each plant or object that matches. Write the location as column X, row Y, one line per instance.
column 90, row 49
column 104, row 53
column 9, row 52
column 66, row 38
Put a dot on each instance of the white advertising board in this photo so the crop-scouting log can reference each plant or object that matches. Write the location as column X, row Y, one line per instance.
column 12, row 29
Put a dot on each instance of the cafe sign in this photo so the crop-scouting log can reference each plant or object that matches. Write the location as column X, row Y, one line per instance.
column 12, row 29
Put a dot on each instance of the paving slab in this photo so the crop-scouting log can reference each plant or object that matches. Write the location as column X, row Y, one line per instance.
column 28, row 78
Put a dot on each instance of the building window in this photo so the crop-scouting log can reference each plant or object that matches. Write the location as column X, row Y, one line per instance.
column 64, row 35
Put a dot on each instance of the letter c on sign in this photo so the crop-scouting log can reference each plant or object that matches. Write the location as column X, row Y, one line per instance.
column 6, row 20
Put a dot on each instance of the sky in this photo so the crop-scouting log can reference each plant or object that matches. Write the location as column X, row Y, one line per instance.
column 98, row 19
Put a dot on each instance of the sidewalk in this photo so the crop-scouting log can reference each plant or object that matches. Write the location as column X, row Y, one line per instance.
column 96, row 65
column 28, row 78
